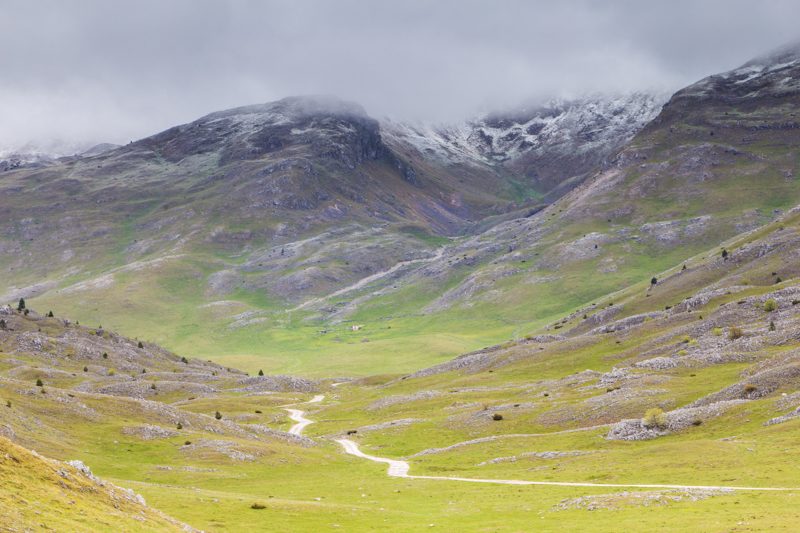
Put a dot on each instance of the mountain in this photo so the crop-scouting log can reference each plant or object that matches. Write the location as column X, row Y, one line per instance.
column 719, row 159
column 223, row 224
column 628, row 355
column 555, row 145
column 304, row 234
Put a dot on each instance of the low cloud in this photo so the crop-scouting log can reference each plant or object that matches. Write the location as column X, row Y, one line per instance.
column 112, row 71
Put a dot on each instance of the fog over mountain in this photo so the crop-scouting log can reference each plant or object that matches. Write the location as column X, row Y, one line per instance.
column 82, row 73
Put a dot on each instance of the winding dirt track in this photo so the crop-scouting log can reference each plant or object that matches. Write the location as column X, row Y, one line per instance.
column 400, row 469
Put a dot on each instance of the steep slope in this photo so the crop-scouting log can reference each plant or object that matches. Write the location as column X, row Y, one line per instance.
column 47, row 494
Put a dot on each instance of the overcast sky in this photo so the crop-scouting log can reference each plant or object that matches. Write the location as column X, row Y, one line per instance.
column 110, row 70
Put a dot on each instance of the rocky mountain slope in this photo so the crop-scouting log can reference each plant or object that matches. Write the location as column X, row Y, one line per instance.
column 713, row 163
column 556, row 145
column 246, row 213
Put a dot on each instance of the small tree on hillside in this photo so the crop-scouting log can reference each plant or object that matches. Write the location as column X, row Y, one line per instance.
column 21, row 304
column 218, row 415
column 653, row 281
column 141, row 345
column 724, row 253
column 2, row 324
column 50, row 314
column 260, row 372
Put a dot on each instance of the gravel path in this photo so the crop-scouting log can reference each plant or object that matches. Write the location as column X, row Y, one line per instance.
column 399, row 468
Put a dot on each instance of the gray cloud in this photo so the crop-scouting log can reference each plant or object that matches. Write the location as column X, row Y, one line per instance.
column 105, row 70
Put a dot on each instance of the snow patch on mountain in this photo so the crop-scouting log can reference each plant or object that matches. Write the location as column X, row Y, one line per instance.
column 563, row 125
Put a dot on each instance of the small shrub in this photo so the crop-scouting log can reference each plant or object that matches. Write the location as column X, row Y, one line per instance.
column 750, row 388
column 187, row 443
column 697, row 422
column 778, row 280
column 653, row 280
column 179, row 426
column 21, row 304
column 716, row 332
column 497, row 417
column 105, row 355
column 86, row 369
column 3, row 324
column 8, row 403
column 141, row 345
column 39, row 383
column 112, row 372
column 144, row 371
column 258, row 411
column 184, row 361
column 260, row 372
column 218, row 415
column 735, row 333
column 770, row 305
column 655, row 418
column 153, row 386
column 686, row 339
column 50, row 314
column 771, row 325
column 258, row 506
column 795, row 302
column 724, row 253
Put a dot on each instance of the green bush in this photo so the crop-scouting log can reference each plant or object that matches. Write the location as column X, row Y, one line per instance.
column 218, row 415
column 655, row 418
column 770, row 305
column 39, row 383
column 716, row 332
column 497, row 417
column 735, row 332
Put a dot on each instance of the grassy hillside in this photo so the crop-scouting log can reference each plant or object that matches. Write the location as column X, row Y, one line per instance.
column 703, row 344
